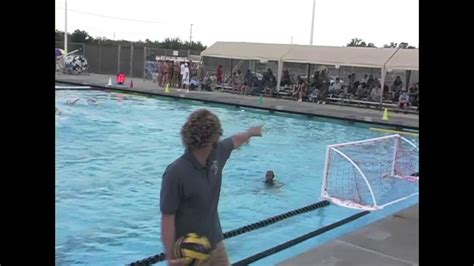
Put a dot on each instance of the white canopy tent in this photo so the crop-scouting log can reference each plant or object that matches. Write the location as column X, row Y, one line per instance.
column 246, row 51
column 383, row 58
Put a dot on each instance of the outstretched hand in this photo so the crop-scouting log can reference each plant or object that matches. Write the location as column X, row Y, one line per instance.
column 244, row 137
column 255, row 131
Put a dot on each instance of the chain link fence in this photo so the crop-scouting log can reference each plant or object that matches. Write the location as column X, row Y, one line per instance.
column 131, row 60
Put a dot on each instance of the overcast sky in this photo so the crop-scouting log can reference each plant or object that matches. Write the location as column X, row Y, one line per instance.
column 271, row 21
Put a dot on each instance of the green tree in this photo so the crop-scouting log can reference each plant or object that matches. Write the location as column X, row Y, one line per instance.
column 402, row 45
column 59, row 36
column 80, row 36
column 169, row 43
column 356, row 42
column 391, row 45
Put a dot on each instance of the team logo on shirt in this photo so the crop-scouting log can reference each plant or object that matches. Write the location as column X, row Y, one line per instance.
column 214, row 167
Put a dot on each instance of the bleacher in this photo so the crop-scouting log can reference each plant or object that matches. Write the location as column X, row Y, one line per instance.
column 224, row 87
column 286, row 93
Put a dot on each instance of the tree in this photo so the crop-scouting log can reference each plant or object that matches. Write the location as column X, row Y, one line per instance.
column 402, row 45
column 174, row 44
column 356, row 42
column 59, row 36
column 199, row 46
column 391, row 45
column 194, row 46
column 80, row 36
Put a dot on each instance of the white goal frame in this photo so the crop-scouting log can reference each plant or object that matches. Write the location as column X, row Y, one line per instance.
column 353, row 205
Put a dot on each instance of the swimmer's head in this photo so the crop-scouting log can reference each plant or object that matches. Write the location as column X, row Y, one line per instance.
column 269, row 176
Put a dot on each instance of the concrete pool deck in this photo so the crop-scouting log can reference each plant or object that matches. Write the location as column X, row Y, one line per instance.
column 364, row 115
column 390, row 241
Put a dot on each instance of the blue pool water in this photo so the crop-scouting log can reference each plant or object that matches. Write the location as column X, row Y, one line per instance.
column 110, row 158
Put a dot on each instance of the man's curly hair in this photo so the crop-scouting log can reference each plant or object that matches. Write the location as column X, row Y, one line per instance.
column 201, row 129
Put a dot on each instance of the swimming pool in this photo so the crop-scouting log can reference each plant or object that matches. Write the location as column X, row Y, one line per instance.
column 110, row 157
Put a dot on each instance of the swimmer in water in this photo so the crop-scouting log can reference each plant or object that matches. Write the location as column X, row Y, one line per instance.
column 91, row 101
column 58, row 112
column 269, row 176
column 69, row 102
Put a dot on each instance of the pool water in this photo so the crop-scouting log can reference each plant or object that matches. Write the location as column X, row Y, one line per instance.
column 110, row 157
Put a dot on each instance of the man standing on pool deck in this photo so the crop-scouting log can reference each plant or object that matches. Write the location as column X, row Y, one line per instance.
column 191, row 185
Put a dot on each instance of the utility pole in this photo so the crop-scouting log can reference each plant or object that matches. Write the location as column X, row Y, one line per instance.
column 312, row 23
column 65, row 27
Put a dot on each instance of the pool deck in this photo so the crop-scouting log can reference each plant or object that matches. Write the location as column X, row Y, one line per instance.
column 391, row 241
column 397, row 120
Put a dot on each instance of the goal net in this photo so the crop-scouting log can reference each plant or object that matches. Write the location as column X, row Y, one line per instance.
column 371, row 174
